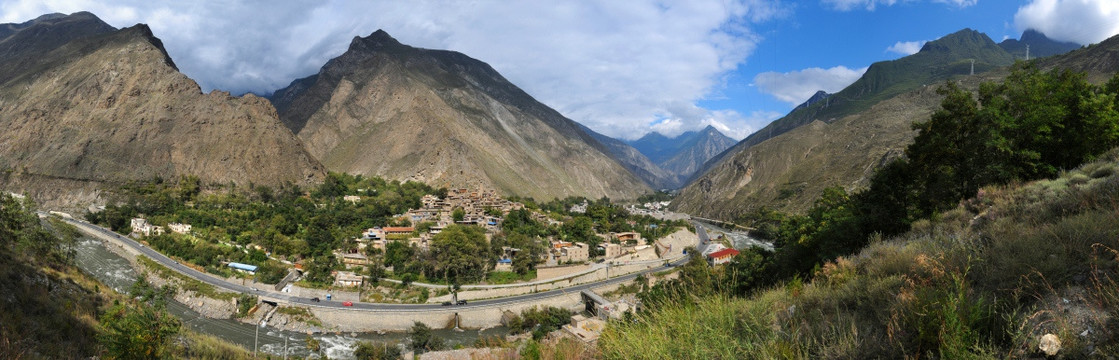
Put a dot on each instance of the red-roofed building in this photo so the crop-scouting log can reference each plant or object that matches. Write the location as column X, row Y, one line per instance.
column 391, row 230
column 721, row 256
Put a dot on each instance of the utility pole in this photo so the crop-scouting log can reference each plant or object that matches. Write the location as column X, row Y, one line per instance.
column 972, row 67
column 1027, row 52
column 256, row 338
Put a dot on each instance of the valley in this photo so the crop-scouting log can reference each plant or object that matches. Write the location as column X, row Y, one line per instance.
column 571, row 181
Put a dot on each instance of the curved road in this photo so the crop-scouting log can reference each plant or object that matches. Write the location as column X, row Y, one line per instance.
column 221, row 283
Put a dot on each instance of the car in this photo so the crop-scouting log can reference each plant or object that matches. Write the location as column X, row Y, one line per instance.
column 315, row 299
column 347, row 303
column 462, row 302
column 446, row 303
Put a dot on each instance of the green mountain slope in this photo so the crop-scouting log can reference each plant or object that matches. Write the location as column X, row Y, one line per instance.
column 989, row 279
column 790, row 171
column 940, row 59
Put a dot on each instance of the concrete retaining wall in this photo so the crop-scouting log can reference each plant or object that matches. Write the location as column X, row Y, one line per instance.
column 597, row 275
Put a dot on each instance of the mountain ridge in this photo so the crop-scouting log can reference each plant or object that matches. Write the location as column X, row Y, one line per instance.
column 111, row 107
column 388, row 109
column 789, row 170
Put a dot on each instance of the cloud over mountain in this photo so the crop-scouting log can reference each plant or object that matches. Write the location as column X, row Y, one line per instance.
column 795, row 87
column 1080, row 21
column 614, row 66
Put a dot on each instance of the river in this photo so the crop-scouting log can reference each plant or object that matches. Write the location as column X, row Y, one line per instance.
column 116, row 272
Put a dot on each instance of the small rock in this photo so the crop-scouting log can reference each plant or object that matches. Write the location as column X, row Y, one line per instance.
column 1086, row 332
column 1050, row 344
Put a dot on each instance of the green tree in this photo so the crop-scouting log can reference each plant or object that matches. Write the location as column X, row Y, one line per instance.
column 397, row 253
column 138, row 332
column 423, row 339
column 318, row 269
column 458, row 214
column 461, row 252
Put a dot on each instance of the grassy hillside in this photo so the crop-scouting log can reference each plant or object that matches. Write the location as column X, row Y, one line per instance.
column 984, row 280
column 938, row 60
column 49, row 309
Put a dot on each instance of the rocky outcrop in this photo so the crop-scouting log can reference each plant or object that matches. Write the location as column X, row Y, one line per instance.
column 111, row 107
column 387, row 109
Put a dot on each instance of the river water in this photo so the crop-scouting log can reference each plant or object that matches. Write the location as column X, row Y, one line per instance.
column 738, row 239
column 116, row 272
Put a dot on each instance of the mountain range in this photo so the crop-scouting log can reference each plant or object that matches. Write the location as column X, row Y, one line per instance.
column 842, row 140
column 84, row 102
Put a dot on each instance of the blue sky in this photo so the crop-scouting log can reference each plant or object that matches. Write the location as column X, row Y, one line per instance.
column 623, row 68
column 818, row 35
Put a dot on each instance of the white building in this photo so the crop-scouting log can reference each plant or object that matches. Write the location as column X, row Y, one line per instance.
column 141, row 227
column 179, row 228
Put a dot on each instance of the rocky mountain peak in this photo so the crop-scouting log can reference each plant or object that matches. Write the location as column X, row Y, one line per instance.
column 144, row 33
column 378, row 41
column 963, row 40
column 1039, row 45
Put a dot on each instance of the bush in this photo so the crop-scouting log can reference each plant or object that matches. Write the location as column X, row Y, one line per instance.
column 540, row 321
column 384, row 351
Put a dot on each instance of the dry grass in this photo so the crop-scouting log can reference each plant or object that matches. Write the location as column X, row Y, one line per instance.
column 985, row 280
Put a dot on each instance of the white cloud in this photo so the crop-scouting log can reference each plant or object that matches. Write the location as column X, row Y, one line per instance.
column 871, row 5
column 1081, row 21
column 797, row 86
column 729, row 122
column 614, row 66
column 906, row 48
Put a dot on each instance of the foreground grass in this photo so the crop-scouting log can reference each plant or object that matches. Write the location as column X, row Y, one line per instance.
column 985, row 280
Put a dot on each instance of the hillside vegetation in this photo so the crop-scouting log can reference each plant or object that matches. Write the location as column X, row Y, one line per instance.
column 51, row 310
column 842, row 139
column 945, row 255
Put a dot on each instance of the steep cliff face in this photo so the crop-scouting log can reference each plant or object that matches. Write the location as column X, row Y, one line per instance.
column 388, row 109
column 111, row 107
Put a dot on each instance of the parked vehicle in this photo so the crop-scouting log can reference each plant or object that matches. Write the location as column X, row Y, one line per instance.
column 315, row 299
column 347, row 303
column 462, row 302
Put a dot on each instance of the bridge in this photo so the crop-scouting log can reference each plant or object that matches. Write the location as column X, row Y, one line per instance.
column 722, row 223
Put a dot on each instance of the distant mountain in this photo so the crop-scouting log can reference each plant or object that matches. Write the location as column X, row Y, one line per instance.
column 696, row 147
column 636, row 162
column 1039, row 45
column 682, row 155
column 839, row 141
column 657, row 147
column 82, row 101
column 388, row 109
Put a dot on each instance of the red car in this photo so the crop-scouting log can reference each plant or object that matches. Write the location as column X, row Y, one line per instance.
column 347, row 303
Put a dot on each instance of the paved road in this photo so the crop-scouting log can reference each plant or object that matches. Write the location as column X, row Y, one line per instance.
column 221, row 283
column 704, row 239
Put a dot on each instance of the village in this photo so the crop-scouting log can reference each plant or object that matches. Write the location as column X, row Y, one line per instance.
column 484, row 209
